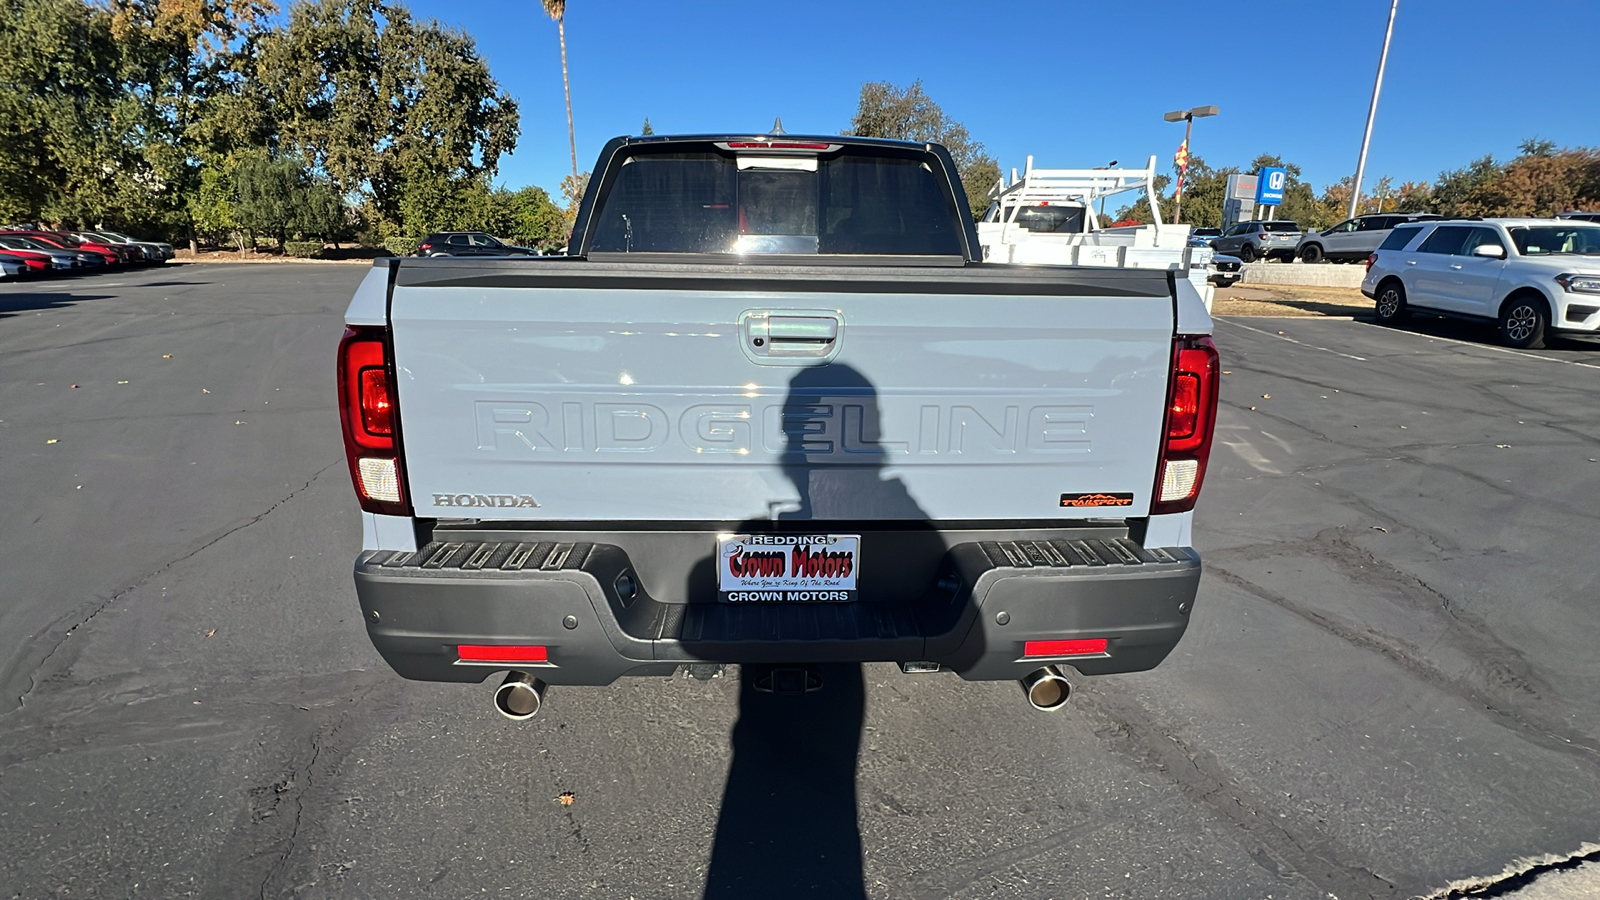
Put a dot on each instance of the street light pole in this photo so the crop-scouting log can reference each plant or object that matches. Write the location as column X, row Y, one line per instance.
column 1187, row 116
column 1372, row 111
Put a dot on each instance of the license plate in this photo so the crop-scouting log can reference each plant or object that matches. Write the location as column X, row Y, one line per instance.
column 788, row 568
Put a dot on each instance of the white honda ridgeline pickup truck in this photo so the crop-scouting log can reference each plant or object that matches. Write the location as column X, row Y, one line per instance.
column 773, row 409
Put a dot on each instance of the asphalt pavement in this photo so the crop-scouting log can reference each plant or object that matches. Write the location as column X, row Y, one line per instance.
column 1389, row 689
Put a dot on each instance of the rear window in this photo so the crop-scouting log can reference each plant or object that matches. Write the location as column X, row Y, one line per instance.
column 849, row 202
column 1399, row 238
column 1279, row 226
column 1043, row 219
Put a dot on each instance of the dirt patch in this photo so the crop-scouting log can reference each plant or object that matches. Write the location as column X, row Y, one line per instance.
column 361, row 255
column 1289, row 300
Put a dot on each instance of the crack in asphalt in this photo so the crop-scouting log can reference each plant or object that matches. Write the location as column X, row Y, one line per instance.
column 1130, row 729
column 299, row 811
column 1546, row 734
column 33, row 680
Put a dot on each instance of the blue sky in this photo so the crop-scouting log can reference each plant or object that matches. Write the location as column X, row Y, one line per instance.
column 1073, row 83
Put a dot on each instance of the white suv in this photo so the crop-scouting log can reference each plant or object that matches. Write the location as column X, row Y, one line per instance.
column 1531, row 277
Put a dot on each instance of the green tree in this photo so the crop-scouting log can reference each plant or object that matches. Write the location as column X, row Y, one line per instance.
column 1535, row 147
column 1544, row 183
column 909, row 114
column 557, row 10
column 1139, row 210
column 376, row 100
column 1204, row 191
column 59, row 87
column 283, row 199
column 177, row 58
column 536, row 220
column 263, row 201
column 646, row 131
column 572, row 190
column 1461, row 192
column 212, row 207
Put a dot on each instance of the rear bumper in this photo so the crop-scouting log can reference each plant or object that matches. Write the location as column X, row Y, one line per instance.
column 986, row 600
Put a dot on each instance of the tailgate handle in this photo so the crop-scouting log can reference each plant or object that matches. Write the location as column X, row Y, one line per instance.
column 803, row 329
column 772, row 337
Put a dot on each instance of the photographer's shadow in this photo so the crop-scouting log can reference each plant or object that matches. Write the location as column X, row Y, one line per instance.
column 788, row 825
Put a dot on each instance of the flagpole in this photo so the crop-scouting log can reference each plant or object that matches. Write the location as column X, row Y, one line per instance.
column 1177, row 203
column 1372, row 110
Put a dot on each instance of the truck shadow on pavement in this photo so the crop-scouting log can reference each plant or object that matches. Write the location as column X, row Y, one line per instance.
column 33, row 301
column 788, row 821
column 1483, row 333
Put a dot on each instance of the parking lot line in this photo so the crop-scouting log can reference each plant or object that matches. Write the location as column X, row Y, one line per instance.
column 1522, row 353
column 1291, row 340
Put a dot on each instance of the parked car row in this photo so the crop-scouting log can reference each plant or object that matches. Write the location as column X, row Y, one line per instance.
column 1352, row 240
column 35, row 251
column 1530, row 277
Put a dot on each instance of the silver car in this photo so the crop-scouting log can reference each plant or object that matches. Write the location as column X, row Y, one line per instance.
column 154, row 251
column 1353, row 240
column 60, row 259
column 1251, row 241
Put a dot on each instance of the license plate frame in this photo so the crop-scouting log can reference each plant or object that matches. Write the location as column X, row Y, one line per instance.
column 788, row 568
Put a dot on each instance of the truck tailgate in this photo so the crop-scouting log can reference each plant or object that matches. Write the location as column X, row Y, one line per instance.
column 573, row 390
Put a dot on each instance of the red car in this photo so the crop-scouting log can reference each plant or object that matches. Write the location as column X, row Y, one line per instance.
column 35, row 261
column 112, row 256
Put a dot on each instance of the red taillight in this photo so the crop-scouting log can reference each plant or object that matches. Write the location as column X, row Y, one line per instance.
column 517, row 653
column 1371, row 258
column 1077, row 647
column 425, row 247
column 775, row 145
column 366, row 412
column 1191, row 418
column 376, row 409
column 1184, row 412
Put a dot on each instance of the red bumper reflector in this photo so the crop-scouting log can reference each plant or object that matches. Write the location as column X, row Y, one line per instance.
column 1077, row 647
column 501, row 653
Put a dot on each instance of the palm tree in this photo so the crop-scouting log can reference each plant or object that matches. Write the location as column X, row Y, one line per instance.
column 557, row 9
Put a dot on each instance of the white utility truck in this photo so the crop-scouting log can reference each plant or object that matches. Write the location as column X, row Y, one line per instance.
column 1048, row 217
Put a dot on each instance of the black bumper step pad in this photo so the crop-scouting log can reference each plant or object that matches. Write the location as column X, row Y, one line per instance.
column 504, row 556
column 1066, row 553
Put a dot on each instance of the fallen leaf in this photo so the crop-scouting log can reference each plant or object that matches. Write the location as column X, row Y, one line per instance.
column 1227, row 371
column 122, row 382
column 1503, row 446
column 1380, row 528
column 50, row 441
column 211, row 632
column 566, row 798
column 1252, row 407
column 74, row 387
column 1266, row 396
column 205, row 391
column 78, row 488
column 166, row 356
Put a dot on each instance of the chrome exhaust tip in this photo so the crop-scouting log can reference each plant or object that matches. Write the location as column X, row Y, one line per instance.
column 519, row 697
column 1047, row 688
